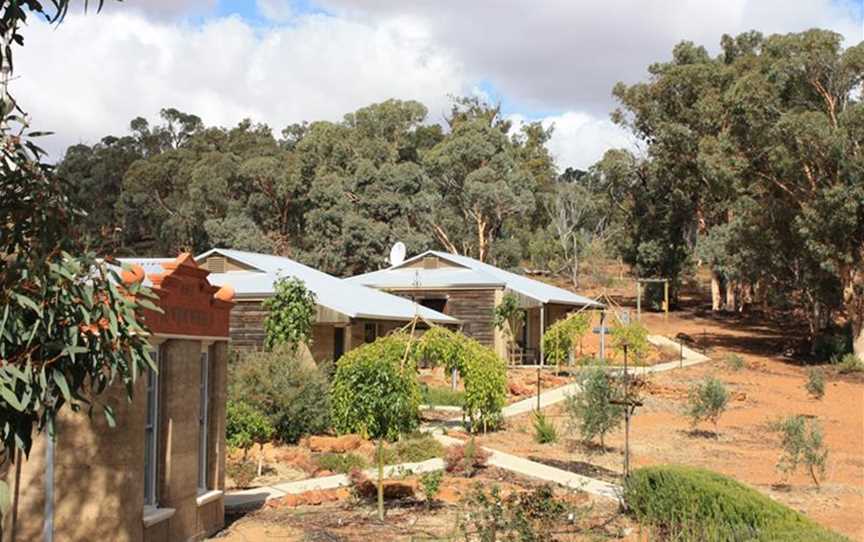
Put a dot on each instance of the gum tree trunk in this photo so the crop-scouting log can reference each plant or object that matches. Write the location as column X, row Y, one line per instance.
column 716, row 297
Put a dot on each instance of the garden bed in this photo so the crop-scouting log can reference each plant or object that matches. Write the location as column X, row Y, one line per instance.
column 319, row 456
column 339, row 514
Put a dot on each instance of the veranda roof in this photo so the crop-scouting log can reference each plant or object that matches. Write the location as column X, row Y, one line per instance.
column 468, row 272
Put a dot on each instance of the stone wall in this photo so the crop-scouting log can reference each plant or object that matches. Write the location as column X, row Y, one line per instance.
column 99, row 471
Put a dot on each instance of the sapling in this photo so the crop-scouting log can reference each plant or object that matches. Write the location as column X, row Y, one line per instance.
column 803, row 443
column 707, row 402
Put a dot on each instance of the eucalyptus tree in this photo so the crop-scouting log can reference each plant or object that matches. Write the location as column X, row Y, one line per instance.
column 69, row 329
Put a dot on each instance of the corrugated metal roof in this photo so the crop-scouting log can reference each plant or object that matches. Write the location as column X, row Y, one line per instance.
column 427, row 278
column 352, row 300
column 474, row 270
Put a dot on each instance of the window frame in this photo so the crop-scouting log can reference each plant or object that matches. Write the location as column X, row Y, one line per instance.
column 151, row 432
column 203, row 421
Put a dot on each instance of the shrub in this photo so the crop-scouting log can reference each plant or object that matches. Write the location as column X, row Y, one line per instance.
column 849, row 363
column 418, row 447
column 544, row 430
column 562, row 337
column 833, row 344
column 465, row 459
column 735, row 362
column 290, row 314
column 291, row 392
column 591, row 411
column 242, row 472
column 802, row 443
column 530, row 516
column 483, row 372
column 438, row 396
column 635, row 337
column 707, row 401
column 343, row 463
column 431, row 484
column 686, row 503
column 815, row 383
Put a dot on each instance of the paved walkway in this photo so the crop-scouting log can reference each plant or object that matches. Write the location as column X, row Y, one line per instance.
column 259, row 495
column 556, row 395
column 526, row 467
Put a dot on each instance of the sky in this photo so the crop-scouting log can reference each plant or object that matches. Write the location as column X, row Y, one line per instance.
column 283, row 61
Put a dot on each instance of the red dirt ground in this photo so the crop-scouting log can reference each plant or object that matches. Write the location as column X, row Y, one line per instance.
column 768, row 387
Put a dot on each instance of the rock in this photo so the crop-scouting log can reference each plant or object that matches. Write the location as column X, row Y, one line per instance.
column 337, row 445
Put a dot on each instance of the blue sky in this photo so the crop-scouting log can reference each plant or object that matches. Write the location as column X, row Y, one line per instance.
column 283, row 61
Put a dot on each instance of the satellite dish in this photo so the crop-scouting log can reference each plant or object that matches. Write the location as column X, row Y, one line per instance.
column 397, row 253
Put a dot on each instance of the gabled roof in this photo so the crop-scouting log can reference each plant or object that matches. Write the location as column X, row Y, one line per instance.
column 469, row 272
column 352, row 300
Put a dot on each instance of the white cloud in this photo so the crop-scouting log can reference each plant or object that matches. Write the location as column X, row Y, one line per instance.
column 91, row 75
column 567, row 55
column 580, row 139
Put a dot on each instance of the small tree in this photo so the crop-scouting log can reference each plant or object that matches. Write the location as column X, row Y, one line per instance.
column 375, row 393
column 291, row 313
column 707, row 401
column 246, row 426
column 431, row 484
column 815, row 383
column 507, row 316
column 591, row 411
column 802, row 442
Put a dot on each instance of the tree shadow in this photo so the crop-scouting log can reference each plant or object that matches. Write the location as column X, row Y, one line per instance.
column 701, row 433
column 580, row 467
column 589, row 447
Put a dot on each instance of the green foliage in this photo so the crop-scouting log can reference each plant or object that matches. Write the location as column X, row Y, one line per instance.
column 290, row 391
column 431, row 484
column 290, row 313
column 483, row 372
column 735, row 362
column 832, row 343
column 545, row 431
column 465, row 459
column 69, row 329
column 635, row 337
column 342, row 463
column 815, row 383
column 245, row 426
column 849, row 363
column 707, row 401
column 438, row 396
column 507, row 315
column 375, row 391
column 527, row 516
column 755, row 157
column 686, row 503
column 590, row 411
column 802, row 443
column 416, row 448
column 562, row 337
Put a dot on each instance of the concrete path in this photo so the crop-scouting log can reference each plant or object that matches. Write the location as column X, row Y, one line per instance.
column 526, row 467
column 556, row 395
column 259, row 495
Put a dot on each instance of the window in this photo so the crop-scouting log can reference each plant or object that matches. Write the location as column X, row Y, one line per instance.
column 370, row 332
column 151, row 433
column 434, row 303
column 203, row 404
column 338, row 342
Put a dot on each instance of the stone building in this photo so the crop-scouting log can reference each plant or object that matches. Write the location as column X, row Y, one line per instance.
column 469, row 290
column 159, row 474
